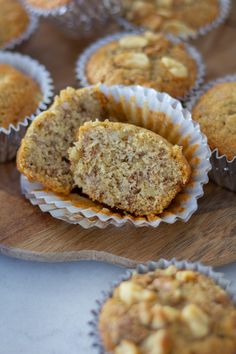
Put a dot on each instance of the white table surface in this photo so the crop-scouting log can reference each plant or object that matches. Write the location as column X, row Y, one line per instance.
column 45, row 307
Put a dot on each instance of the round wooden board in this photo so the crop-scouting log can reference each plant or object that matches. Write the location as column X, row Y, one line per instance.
column 26, row 232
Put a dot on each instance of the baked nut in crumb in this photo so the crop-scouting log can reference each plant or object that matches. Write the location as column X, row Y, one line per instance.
column 128, row 168
column 201, row 321
column 171, row 16
column 147, row 59
column 20, row 96
column 43, row 155
column 14, row 21
column 215, row 111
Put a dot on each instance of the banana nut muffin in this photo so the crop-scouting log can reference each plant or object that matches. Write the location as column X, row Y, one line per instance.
column 43, row 155
column 14, row 21
column 127, row 167
column 47, row 4
column 148, row 59
column 168, row 311
column 19, row 95
column 171, row 16
column 216, row 113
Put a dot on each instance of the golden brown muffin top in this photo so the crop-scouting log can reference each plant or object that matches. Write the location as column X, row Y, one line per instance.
column 216, row 113
column 171, row 16
column 148, row 59
column 169, row 311
column 48, row 4
column 14, row 20
column 19, row 96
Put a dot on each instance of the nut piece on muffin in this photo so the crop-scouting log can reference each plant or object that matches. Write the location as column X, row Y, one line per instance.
column 47, row 5
column 43, row 155
column 14, row 21
column 168, row 311
column 148, row 59
column 127, row 167
column 171, row 16
column 20, row 96
column 216, row 113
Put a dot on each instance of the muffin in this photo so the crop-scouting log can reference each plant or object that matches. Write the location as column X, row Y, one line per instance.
column 147, row 59
column 216, row 113
column 168, row 311
column 47, row 5
column 127, row 167
column 19, row 96
column 14, row 21
column 43, row 155
column 171, row 16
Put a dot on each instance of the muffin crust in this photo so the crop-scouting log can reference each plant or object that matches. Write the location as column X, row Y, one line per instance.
column 171, row 16
column 168, row 311
column 19, row 95
column 127, row 167
column 14, row 21
column 148, row 59
column 216, row 113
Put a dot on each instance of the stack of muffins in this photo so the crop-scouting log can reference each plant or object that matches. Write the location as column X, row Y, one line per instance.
column 131, row 151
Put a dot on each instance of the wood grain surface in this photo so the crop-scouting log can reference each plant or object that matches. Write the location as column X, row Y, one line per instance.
column 26, row 232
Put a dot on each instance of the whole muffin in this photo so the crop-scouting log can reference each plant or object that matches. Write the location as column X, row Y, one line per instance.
column 19, row 96
column 14, row 21
column 148, row 59
column 216, row 113
column 128, row 167
column 168, row 311
column 171, row 16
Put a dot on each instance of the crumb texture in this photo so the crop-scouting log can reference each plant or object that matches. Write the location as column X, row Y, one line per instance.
column 14, row 20
column 20, row 95
column 127, row 167
column 169, row 311
column 47, row 5
column 149, row 60
column 216, row 113
column 171, row 16
column 43, row 155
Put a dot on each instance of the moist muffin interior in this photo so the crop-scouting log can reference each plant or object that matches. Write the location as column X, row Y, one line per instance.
column 169, row 311
column 148, row 59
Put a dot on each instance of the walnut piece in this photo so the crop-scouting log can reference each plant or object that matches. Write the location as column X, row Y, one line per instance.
column 130, row 293
column 176, row 68
column 186, row 275
column 133, row 42
column 127, row 347
column 132, row 60
column 157, row 343
column 196, row 319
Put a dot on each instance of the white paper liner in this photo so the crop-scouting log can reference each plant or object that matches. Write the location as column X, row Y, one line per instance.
column 148, row 100
column 80, row 17
column 225, row 6
column 83, row 59
column 223, row 170
column 145, row 268
column 10, row 138
column 33, row 24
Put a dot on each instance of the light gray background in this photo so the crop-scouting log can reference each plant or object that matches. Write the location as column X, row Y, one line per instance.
column 45, row 307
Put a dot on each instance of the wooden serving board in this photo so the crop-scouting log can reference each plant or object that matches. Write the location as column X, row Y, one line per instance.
column 26, row 232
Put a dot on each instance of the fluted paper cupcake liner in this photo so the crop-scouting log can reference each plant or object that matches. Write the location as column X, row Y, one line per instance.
column 218, row 278
column 33, row 24
column 10, row 138
column 223, row 170
column 78, row 18
column 83, row 59
column 139, row 106
column 225, row 6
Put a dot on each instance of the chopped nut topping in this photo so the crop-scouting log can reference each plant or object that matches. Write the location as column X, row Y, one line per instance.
column 153, row 37
column 197, row 320
column 132, row 60
column 133, row 42
column 127, row 347
column 162, row 315
column 186, row 275
column 130, row 293
column 177, row 27
column 145, row 313
column 176, row 68
column 157, row 343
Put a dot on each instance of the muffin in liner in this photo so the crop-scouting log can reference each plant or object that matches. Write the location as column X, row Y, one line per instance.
column 142, row 107
column 33, row 24
column 78, row 17
column 223, row 170
column 225, row 6
column 145, row 268
column 10, row 138
column 83, row 59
